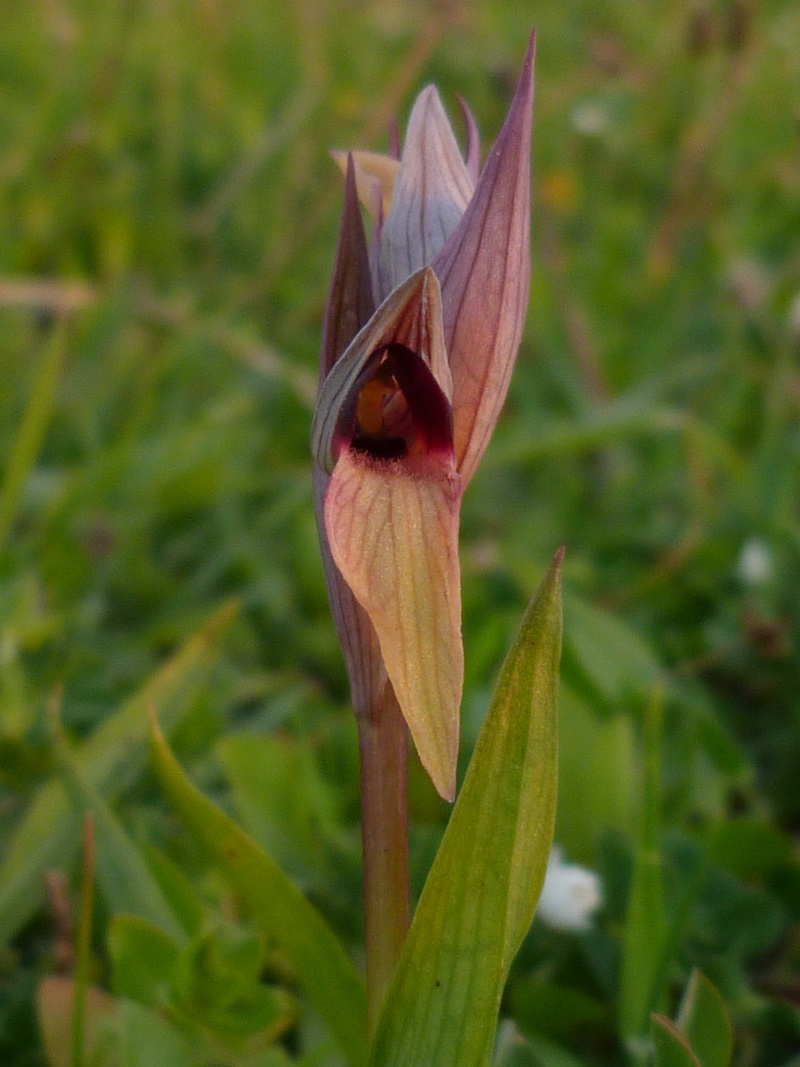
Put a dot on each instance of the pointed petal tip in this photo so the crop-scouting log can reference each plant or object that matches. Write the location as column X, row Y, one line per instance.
column 349, row 176
column 523, row 94
column 530, row 53
column 448, row 793
column 550, row 587
column 472, row 154
column 426, row 108
column 525, row 84
column 530, row 57
column 351, row 197
column 346, row 164
column 430, row 92
column 340, row 158
column 349, row 302
column 373, row 178
column 442, row 775
column 553, row 575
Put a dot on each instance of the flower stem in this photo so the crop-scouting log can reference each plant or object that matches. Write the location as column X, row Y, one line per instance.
column 383, row 748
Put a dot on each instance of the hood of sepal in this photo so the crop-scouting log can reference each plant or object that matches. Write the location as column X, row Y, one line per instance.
column 410, row 318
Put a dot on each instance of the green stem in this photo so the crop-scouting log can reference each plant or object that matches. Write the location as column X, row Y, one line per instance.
column 383, row 747
column 83, row 948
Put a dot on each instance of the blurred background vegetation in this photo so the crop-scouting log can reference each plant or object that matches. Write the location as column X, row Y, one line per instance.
column 167, row 219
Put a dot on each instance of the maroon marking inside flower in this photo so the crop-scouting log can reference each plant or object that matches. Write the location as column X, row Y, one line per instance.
column 400, row 410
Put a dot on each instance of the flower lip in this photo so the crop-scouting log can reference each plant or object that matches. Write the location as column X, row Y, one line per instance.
column 396, row 409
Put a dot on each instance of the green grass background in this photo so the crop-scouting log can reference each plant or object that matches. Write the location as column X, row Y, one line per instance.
column 167, row 219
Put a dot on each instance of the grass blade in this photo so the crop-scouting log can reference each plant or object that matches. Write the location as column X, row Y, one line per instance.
column 324, row 970
column 49, row 833
column 124, row 878
column 645, row 924
column 704, row 1020
column 28, row 441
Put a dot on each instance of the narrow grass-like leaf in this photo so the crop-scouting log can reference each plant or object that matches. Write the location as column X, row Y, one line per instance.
column 517, row 1050
column 122, row 872
column 184, row 898
column 645, row 924
column 481, row 893
column 49, row 833
column 83, row 947
column 29, row 437
column 324, row 970
column 596, row 758
column 672, row 1048
column 704, row 1021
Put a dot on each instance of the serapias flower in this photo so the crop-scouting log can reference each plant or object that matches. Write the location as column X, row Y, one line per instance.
column 421, row 332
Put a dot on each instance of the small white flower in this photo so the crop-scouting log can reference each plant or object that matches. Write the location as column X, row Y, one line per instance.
column 590, row 118
column 570, row 895
column 754, row 565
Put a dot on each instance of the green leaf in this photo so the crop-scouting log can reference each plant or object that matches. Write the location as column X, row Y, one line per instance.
column 125, row 880
column 597, row 759
column 216, row 984
column 282, row 800
column 326, row 974
column 646, row 929
column 49, row 833
column 29, row 438
column 211, row 984
column 146, row 1038
column 704, row 1020
column 751, row 848
column 611, row 661
column 543, row 1009
column 672, row 1049
column 143, row 958
column 183, row 897
column 481, row 893
column 549, row 1054
column 514, row 1050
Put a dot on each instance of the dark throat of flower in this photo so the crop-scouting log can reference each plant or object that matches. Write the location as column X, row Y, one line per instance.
column 401, row 411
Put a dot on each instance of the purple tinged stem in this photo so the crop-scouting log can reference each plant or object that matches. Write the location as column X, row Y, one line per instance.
column 383, row 751
column 383, row 735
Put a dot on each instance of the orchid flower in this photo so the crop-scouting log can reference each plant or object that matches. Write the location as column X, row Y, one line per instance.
column 421, row 331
